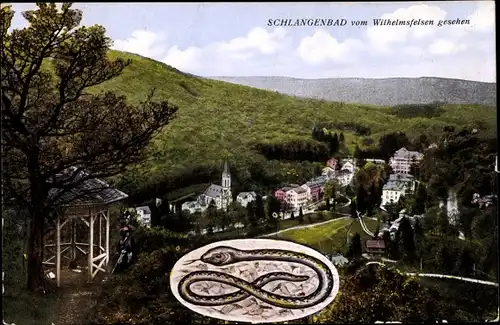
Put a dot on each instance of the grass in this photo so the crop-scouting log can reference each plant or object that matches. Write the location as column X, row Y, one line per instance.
column 27, row 308
column 19, row 305
column 218, row 119
column 329, row 237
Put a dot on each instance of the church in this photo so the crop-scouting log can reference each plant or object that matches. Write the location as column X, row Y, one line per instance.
column 220, row 194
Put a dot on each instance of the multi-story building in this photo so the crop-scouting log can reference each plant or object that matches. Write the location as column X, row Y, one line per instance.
column 403, row 159
column 296, row 197
column 392, row 191
column 246, row 197
column 344, row 177
column 407, row 179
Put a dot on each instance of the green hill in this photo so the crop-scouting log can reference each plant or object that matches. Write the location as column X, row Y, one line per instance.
column 218, row 120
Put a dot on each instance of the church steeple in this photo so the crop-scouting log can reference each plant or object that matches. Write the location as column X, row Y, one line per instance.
column 226, row 176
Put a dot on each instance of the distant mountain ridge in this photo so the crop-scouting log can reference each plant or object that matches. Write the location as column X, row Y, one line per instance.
column 385, row 92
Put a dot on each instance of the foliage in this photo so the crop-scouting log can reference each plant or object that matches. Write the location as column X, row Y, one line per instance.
column 293, row 150
column 463, row 163
column 392, row 296
column 301, row 216
column 355, row 248
column 418, row 110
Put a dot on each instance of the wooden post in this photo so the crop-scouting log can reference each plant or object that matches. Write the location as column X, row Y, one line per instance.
column 107, row 237
column 58, row 251
column 91, row 245
column 100, row 230
column 73, row 238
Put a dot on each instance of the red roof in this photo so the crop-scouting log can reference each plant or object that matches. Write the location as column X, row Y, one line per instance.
column 371, row 243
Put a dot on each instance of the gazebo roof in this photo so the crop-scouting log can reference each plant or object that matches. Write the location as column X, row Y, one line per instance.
column 90, row 192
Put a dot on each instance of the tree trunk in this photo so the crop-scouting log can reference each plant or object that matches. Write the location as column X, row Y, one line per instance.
column 35, row 251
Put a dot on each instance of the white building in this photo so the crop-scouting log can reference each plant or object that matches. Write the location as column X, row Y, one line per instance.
column 193, row 207
column 339, row 260
column 348, row 165
column 392, row 191
column 407, row 179
column 344, row 177
column 308, row 190
column 375, row 161
column 296, row 197
column 403, row 159
column 328, row 172
column 144, row 216
column 246, row 197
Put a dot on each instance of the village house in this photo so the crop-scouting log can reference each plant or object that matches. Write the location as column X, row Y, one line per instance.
column 433, row 146
column 246, row 197
column 484, row 201
column 339, row 260
column 392, row 191
column 280, row 194
column 308, row 190
column 193, row 207
column 144, row 216
column 349, row 165
column 328, row 172
column 375, row 161
column 407, row 179
column 375, row 246
column 332, row 163
column 296, row 197
column 344, row 177
column 403, row 159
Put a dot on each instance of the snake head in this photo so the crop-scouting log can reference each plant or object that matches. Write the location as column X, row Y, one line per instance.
column 222, row 255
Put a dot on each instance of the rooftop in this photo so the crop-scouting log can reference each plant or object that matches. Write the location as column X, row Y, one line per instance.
column 373, row 243
column 394, row 186
column 299, row 190
column 86, row 191
column 144, row 208
column 246, row 195
column 214, row 191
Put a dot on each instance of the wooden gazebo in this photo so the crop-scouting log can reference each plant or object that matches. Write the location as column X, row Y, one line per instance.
column 87, row 215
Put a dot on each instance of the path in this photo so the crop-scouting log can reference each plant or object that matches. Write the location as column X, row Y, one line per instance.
column 442, row 276
column 74, row 297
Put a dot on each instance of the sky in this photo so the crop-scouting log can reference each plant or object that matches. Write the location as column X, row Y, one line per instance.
column 234, row 39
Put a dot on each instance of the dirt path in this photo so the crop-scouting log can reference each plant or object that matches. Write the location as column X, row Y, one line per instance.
column 74, row 297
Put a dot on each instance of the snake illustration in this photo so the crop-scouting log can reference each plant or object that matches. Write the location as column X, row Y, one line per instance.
column 224, row 255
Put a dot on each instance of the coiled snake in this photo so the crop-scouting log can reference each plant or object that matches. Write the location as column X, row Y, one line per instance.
column 224, row 255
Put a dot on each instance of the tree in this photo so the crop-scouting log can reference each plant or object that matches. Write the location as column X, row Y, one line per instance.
column 51, row 122
column 420, row 199
column 407, row 238
column 273, row 207
column 251, row 214
column 292, row 216
column 352, row 209
column 330, row 191
column 333, row 144
column 260, row 212
column 341, row 138
column 355, row 249
column 419, row 236
column 301, row 216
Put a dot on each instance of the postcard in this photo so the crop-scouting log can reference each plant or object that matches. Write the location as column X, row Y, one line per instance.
column 307, row 163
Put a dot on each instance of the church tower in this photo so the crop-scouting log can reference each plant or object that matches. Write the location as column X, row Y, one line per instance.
column 226, row 177
column 227, row 197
